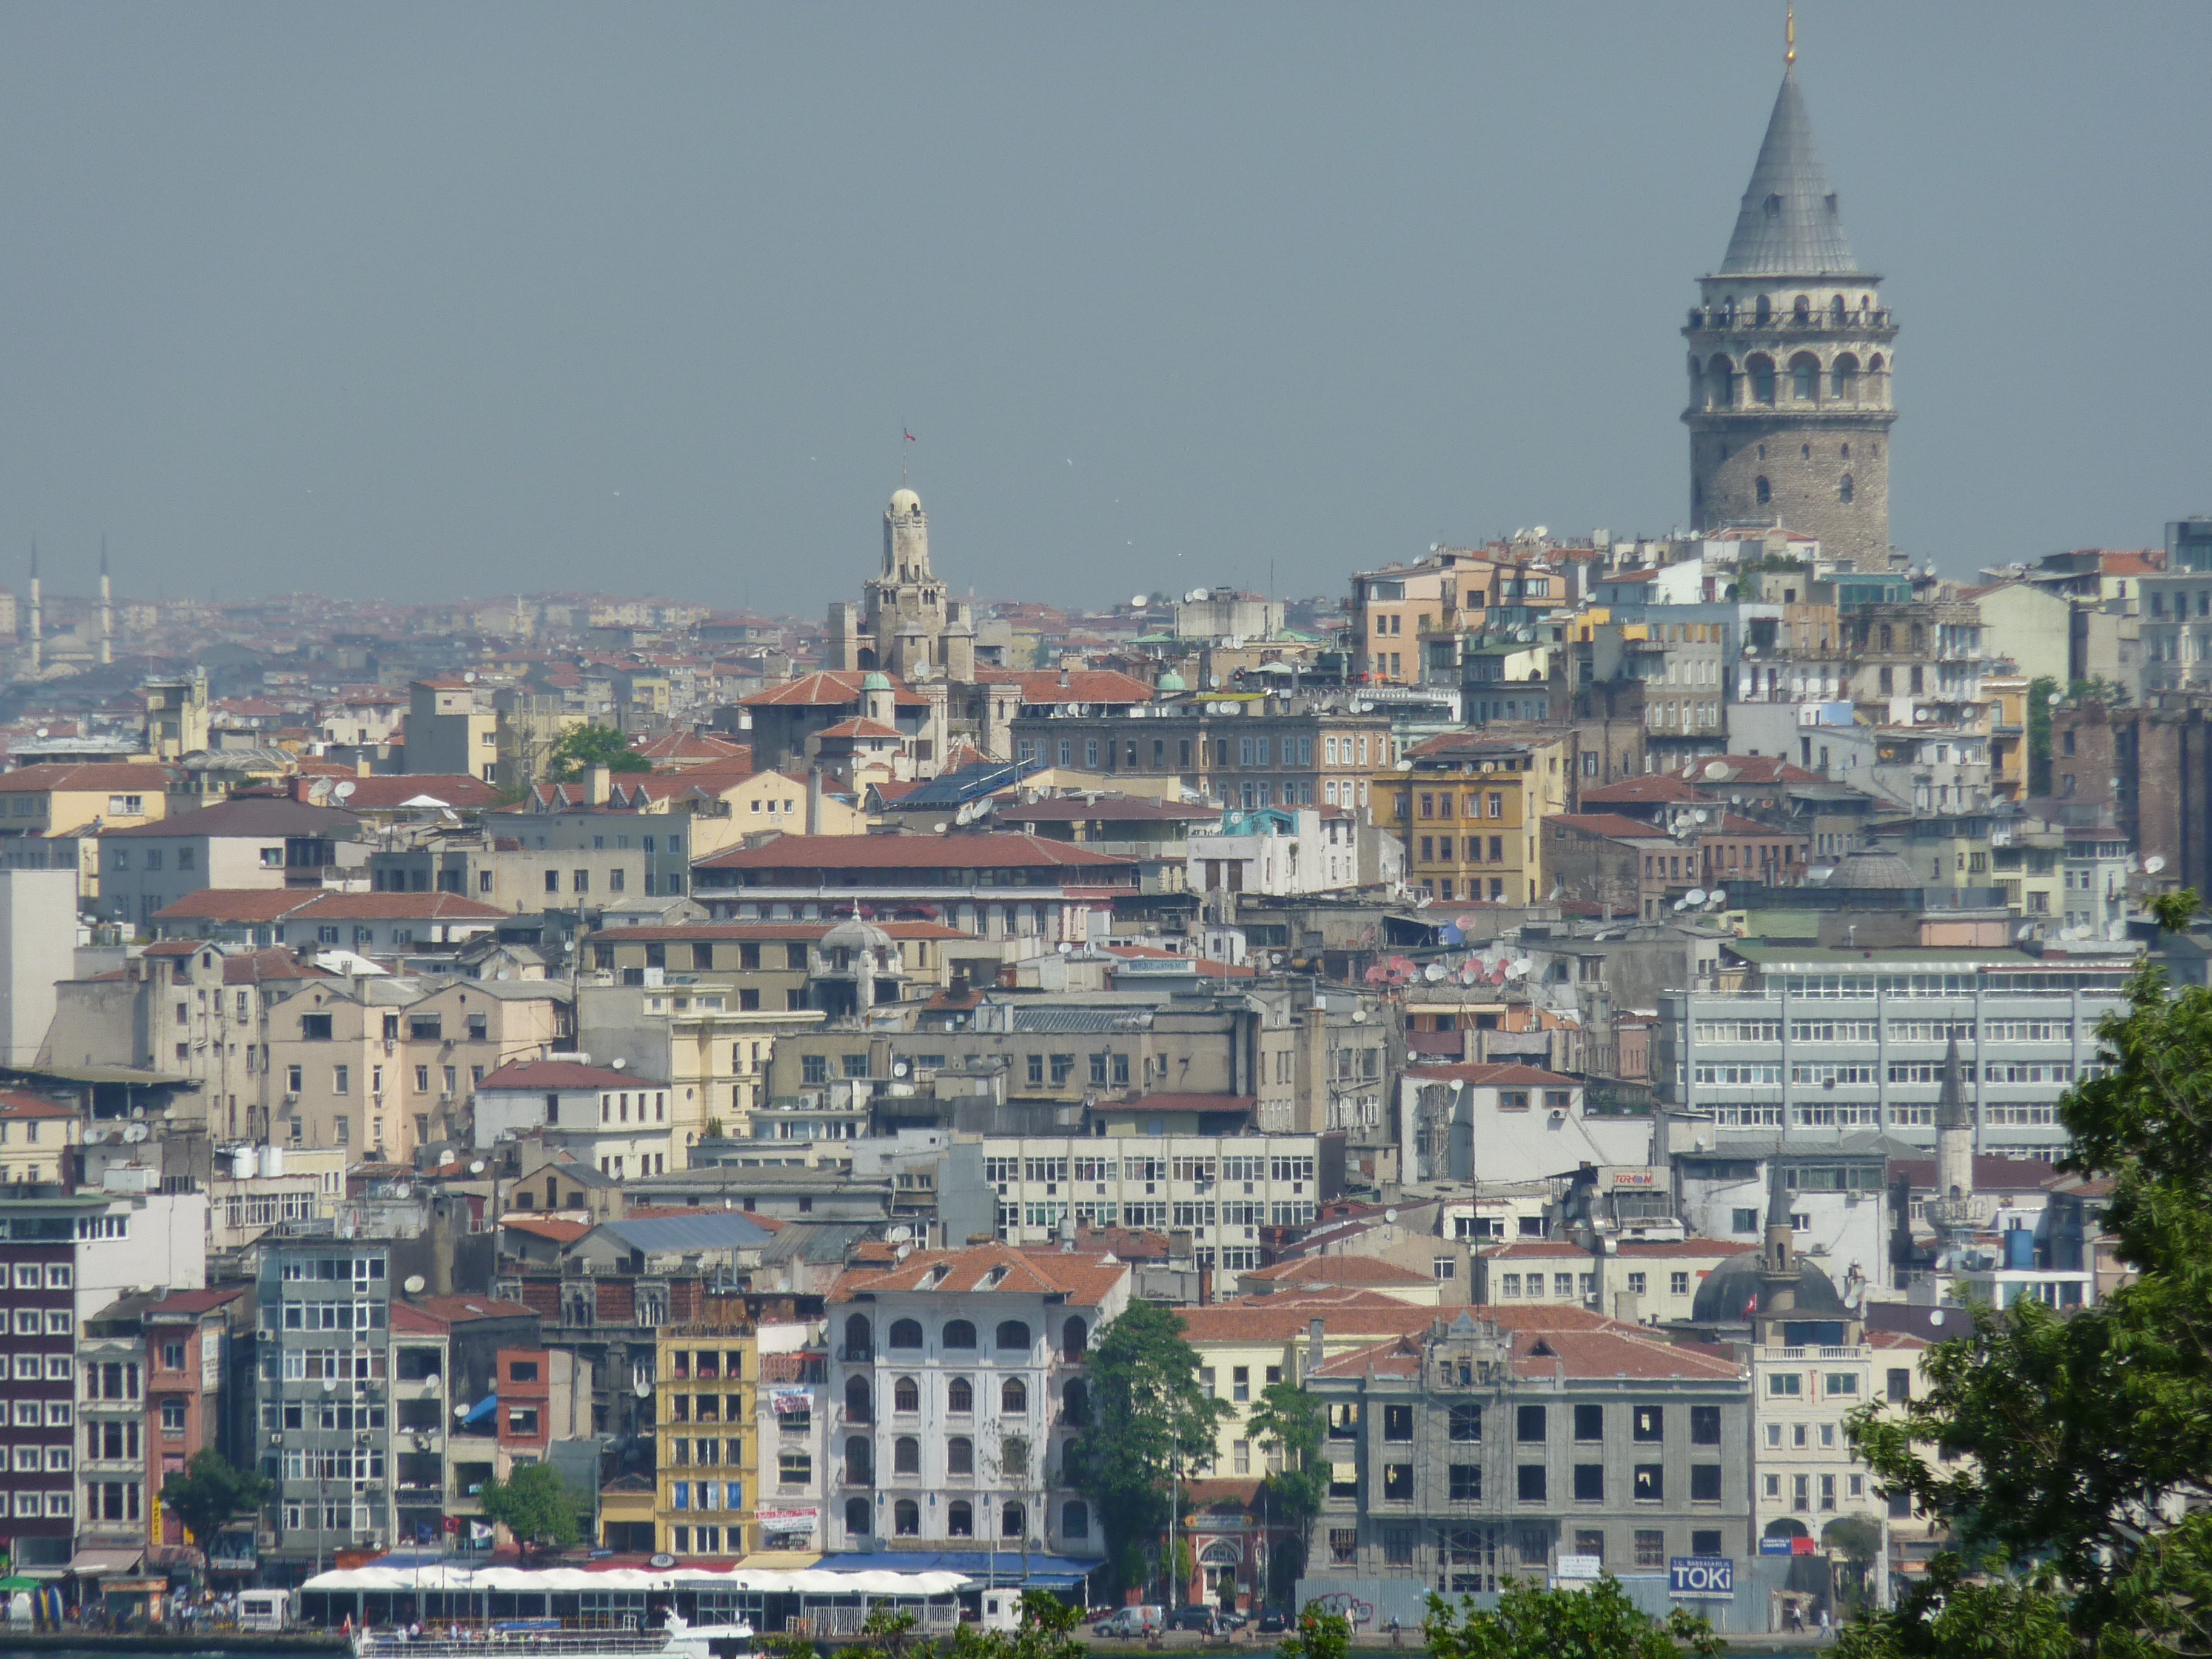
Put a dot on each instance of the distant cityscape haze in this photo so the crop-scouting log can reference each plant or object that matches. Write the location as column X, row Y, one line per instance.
column 417, row 300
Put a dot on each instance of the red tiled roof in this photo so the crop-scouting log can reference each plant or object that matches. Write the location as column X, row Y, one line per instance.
column 1084, row 1280
column 92, row 775
column 386, row 792
column 546, row 1226
column 1611, row 824
column 1367, row 1270
column 238, row 904
column 543, row 1074
column 857, row 727
column 830, row 687
column 1660, row 1248
column 1047, row 685
column 25, row 1106
column 410, row 907
column 1544, row 1345
column 1657, row 786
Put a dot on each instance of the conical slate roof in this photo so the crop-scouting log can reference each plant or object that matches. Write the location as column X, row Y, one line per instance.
column 1790, row 224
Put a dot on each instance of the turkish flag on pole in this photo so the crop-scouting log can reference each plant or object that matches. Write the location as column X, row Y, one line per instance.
column 910, row 437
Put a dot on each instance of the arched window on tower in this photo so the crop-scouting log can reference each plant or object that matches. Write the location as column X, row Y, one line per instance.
column 1835, row 310
column 1760, row 369
column 1843, row 378
column 1844, row 489
column 1763, row 310
column 1720, row 383
column 1800, row 311
column 1763, row 489
column 1804, row 378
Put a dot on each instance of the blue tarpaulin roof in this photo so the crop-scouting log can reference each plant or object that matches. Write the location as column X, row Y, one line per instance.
column 482, row 1409
column 1046, row 1572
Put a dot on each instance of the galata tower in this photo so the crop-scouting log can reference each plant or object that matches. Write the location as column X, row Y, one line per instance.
column 1791, row 351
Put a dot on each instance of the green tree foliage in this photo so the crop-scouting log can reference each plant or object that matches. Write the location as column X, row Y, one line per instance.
column 210, row 1492
column 535, row 1504
column 1317, row 1635
column 2097, row 689
column 2065, row 1452
column 1530, row 1622
column 1857, row 1540
column 1289, row 1422
column 581, row 746
column 2040, row 694
column 886, row 1634
column 1047, row 1631
column 1149, row 1416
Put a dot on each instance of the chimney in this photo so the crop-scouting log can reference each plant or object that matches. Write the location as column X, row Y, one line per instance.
column 360, row 769
column 813, row 801
column 596, row 785
column 1314, row 1328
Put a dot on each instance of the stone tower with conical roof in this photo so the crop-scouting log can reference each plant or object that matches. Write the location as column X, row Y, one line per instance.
column 1791, row 352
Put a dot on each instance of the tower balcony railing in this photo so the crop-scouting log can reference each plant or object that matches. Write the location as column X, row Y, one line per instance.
column 1855, row 321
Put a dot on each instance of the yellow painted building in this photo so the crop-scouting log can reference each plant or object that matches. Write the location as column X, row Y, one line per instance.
column 1244, row 1346
column 1469, row 812
column 44, row 810
column 37, row 1136
column 707, row 1393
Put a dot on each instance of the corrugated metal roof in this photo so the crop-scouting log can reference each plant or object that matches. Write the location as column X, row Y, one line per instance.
column 798, row 1241
column 714, row 1230
column 1079, row 1020
column 968, row 783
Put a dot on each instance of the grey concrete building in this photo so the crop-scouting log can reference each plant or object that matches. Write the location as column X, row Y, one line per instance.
column 1790, row 355
column 1491, row 1446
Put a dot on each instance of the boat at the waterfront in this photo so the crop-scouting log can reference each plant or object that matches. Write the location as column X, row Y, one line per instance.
column 677, row 1638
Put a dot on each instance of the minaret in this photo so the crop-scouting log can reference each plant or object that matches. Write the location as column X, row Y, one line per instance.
column 1790, row 355
column 1953, row 1211
column 38, row 615
column 1778, row 1272
column 106, row 609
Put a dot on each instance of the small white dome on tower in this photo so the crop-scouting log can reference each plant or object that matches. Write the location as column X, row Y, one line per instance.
column 905, row 504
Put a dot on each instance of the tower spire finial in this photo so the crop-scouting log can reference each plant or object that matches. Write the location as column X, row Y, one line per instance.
column 1790, row 38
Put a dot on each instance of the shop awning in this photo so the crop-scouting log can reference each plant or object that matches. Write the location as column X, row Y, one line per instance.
column 105, row 1563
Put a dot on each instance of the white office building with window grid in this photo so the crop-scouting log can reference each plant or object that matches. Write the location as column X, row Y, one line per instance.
column 1221, row 1189
column 1849, row 1042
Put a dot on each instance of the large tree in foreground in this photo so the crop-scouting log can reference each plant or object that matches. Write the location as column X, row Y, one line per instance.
column 2070, row 1453
column 209, row 1492
column 581, row 746
column 1150, row 1418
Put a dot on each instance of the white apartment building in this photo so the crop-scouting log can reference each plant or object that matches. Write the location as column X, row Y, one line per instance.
column 957, row 1383
column 1803, row 1472
column 1278, row 850
column 1221, row 1189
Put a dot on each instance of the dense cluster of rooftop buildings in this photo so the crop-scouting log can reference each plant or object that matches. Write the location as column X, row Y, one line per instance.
column 1588, row 1010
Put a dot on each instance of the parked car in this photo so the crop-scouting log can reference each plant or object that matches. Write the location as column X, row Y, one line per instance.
column 1129, row 1621
column 1274, row 1622
column 1200, row 1618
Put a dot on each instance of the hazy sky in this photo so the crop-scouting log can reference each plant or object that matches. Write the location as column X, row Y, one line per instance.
column 428, row 300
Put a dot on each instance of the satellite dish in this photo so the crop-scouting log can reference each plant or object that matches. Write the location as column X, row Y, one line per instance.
column 2153, row 864
column 662, row 1562
column 460, row 1411
column 1065, row 947
column 1717, row 898
column 1214, row 680
column 1700, row 815
column 344, row 792
column 476, row 1168
column 899, row 1068
column 900, row 1235
column 1921, row 716
column 1359, row 1016
column 617, row 1063
column 44, row 730
column 904, row 1251
column 1936, row 1317
column 2026, row 930
column 1137, row 601
column 1516, row 970
column 1198, row 594
column 1681, row 904
column 1696, row 896
column 1390, row 1216
column 413, row 1285
column 1716, row 770
column 470, row 676
column 1433, row 972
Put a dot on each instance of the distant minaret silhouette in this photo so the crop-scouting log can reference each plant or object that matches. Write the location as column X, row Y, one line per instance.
column 38, row 615
column 106, row 609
